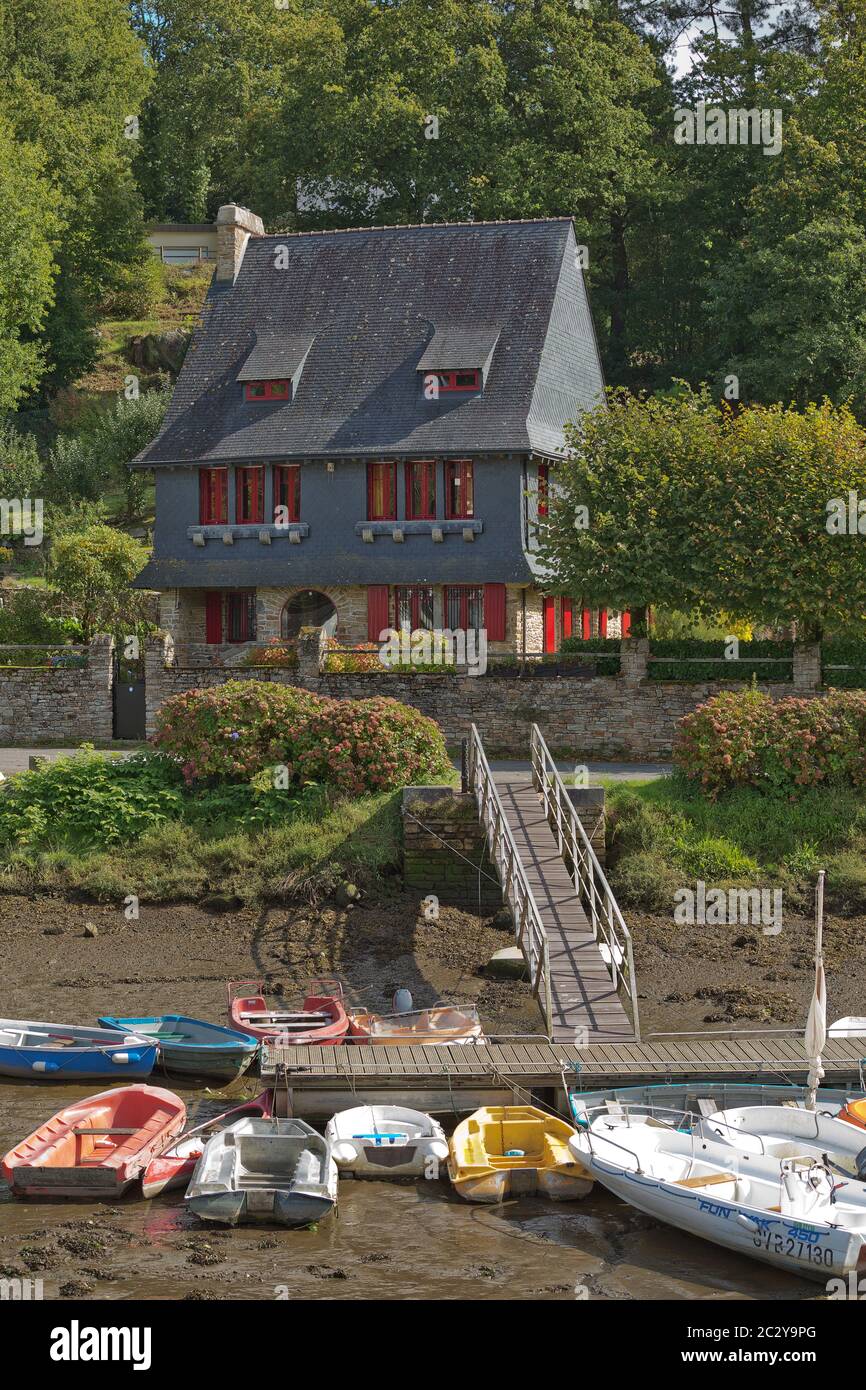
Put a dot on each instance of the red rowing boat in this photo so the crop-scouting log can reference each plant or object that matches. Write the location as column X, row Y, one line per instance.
column 174, row 1167
column 321, row 1019
column 96, row 1147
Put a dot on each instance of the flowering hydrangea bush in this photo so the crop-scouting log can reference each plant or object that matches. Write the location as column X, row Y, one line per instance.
column 236, row 729
column 745, row 738
column 371, row 745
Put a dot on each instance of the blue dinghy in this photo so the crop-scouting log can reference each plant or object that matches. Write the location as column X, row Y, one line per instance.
column 59, row 1052
column 190, row 1047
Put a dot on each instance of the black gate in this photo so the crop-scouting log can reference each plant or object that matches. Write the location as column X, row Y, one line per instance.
column 129, row 705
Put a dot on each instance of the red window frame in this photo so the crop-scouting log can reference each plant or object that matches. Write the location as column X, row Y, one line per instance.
column 567, row 616
column 213, row 496
column 464, row 379
column 287, row 489
column 382, row 491
column 250, row 495
column 459, row 490
column 420, row 479
column 414, row 597
column 463, row 595
column 549, row 624
column 543, row 488
column 258, row 391
column 241, row 615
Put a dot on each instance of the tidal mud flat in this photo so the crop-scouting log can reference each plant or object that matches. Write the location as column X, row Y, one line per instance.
column 387, row 1240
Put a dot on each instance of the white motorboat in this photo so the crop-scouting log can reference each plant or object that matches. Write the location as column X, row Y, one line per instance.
column 387, row 1141
column 782, row 1131
column 795, row 1211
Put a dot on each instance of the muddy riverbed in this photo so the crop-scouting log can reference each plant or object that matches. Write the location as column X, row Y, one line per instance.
column 387, row 1240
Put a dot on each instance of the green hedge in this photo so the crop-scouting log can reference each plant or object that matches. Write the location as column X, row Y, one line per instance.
column 603, row 652
column 678, row 667
column 844, row 651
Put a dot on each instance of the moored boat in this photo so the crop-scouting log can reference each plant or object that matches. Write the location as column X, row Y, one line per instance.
column 65, row 1052
column 191, row 1047
column 515, row 1151
column 320, row 1019
column 96, row 1147
column 264, row 1172
column 792, row 1212
column 386, row 1141
column 783, row 1132
column 707, row 1097
column 175, row 1165
column 442, row 1024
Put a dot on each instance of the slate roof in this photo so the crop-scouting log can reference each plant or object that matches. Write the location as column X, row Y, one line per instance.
column 373, row 301
column 275, row 356
column 457, row 348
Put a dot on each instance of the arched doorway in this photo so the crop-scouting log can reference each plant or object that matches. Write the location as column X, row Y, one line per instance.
column 307, row 608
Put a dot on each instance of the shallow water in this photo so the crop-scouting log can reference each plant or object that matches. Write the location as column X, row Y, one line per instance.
column 387, row 1240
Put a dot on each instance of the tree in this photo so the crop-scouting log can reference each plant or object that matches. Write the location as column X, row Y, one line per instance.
column 94, row 569
column 27, row 267
column 86, row 463
column 20, row 465
column 697, row 508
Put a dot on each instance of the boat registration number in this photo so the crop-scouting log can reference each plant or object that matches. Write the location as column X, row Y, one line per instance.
column 777, row 1244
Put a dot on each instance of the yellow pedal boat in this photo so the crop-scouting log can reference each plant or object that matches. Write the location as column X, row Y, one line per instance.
column 515, row 1151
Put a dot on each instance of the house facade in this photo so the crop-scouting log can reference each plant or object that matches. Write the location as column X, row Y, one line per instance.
column 363, row 432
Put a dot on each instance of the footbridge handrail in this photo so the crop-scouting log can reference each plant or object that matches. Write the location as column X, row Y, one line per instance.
column 589, row 879
column 528, row 922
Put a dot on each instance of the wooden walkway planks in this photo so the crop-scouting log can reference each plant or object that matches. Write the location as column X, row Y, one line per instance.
column 741, row 1057
column 585, row 1002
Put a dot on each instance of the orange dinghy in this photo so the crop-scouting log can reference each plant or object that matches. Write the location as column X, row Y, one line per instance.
column 854, row 1112
column 443, row 1023
column 97, row 1147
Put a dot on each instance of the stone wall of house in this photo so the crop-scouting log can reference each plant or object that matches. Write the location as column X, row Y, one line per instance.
column 55, row 705
column 445, row 852
column 626, row 716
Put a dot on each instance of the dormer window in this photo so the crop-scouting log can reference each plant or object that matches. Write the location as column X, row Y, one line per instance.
column 268, row 390
column 459, row 381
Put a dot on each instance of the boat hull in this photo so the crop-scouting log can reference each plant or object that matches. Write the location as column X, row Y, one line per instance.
column 267, row 1207
column 501, row 1152
column 66, row 1052
column 249, row 1014
column 521, row 1182
column 97, row 1148
column 190, row 1047
column 386, row 1141
column 264, row 1172
column 174, row 1167
column 812, row 1250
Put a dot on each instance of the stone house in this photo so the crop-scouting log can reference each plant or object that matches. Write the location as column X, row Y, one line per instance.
column 363, row 431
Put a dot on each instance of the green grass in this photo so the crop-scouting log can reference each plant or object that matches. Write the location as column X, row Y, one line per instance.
column 665, row 833
column 359, row 838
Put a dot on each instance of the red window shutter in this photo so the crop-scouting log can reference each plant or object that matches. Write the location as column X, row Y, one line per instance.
column 213, row 618
column 549, row 614
column 203, row 496
column 602, row 623
column 221, row 514
column 567, row 617
column 377, row 611
column 626, row 623
column 494, row 612
column 586, row 624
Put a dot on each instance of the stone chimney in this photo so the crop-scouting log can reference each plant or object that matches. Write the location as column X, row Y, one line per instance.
column 235, row 225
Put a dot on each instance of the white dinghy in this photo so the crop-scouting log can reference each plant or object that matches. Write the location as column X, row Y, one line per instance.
column 264, row 1172
column 794, row 1212
column 387, row 1141
column 778, row 1131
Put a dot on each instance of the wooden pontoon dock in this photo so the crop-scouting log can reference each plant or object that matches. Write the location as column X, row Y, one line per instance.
column 316, row 1081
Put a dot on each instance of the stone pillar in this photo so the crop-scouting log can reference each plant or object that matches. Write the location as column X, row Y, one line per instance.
column 235, row 225
column 445, row 851
column 100, row 676
column 807, row 665
column 158, row 653
column 588, row 802
column 634, row 654
column 312, row 645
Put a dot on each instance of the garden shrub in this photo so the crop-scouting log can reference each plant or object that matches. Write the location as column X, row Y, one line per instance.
column 89, row 800
column 602, row 652
column 850, row 655
column 678, row 659
column 235, row 730
column 371, row 745
column 744, row 738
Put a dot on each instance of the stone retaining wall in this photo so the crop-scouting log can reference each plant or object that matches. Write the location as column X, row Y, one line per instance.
column 444, row 851
column 625, row 716
column 74, row 706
